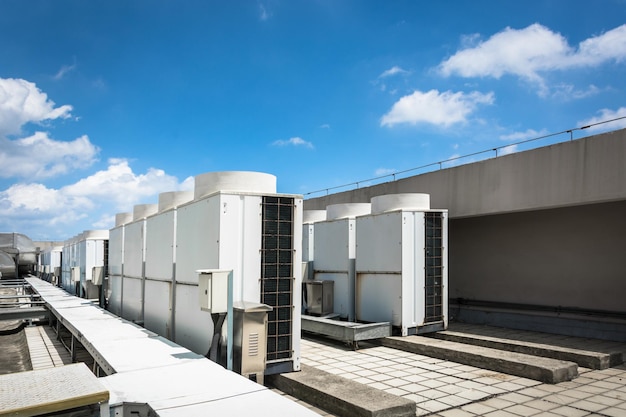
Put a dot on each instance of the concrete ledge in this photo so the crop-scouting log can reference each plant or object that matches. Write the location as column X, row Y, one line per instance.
column 340, row 396
column 547, row 370
column 586, row 358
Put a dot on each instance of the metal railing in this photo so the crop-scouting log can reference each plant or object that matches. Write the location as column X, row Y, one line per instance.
column 394, row 176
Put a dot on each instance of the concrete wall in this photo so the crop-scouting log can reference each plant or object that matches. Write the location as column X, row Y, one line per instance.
column 582, row 171
column 542, row 227
column 567, row 257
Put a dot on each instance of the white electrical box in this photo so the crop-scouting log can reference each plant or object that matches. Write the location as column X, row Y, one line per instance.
column 75, row 274
column 97, row 275
column 213, row 290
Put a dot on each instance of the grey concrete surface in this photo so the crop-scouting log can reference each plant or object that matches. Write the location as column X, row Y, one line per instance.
column 583, row 171
column 588, row 353
column 547, row 370
column 340, row 396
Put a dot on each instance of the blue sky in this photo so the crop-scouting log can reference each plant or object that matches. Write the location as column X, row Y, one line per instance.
column 106, row 104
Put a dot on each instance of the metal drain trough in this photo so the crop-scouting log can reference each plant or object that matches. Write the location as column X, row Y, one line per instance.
column 345, row 331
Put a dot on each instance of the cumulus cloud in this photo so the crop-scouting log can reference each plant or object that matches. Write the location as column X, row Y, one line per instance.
column 38, row 156
column 97, row 197
column 120, row 185
column 433, row 107
column 604, row 115
column 395, row 70
column 295, row 141
column 21, row 102
column 529, row 52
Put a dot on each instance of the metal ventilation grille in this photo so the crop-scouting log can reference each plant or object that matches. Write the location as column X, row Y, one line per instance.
column 277, row 274
column 434, row 267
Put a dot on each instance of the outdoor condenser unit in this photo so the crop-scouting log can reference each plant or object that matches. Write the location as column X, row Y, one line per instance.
column 335, row 246
column 238, row 222
column 402, row 264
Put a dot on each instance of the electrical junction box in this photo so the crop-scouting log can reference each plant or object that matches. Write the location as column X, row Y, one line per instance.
column 213, row 290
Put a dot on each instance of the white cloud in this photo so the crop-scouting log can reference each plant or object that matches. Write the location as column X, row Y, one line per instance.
column 385, row 171
column 121, row 186
column 528, row 52
column 507, row 150
column 325, row 126
column 22, row 102
column 604, row 115
column 264, row 14
column 38, row 156
column 567, row 91
column 393, row 71
column 528, row 134
column 90, row 203
column 64, row 70
column 295, row 141
column 433, row 107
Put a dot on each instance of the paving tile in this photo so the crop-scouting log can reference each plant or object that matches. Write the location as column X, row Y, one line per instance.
column 569, row 412
column 522, row 410
column 433, row 406
column 607, row 400
column 500, row 413
column 479, row 409
column 396, row 391
column 588, row 405
column 541, row 405
column 456, row 413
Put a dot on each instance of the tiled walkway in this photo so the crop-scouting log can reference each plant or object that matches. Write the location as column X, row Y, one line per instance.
column 442, row 388
column 45, row 350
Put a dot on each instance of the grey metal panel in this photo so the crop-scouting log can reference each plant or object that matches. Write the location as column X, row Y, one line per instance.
column 132, row 300
column 157, row 313
column 134, row 249
column 194, row 327
column 160, row 245
column 379, row 298
column 197, row 236
column 115, row 296
column 116, row 245
column 379, row 243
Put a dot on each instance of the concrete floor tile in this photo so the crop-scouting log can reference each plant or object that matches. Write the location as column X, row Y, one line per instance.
column 474, row 394
column 398, row 374
column 522, row 410
column 614, row 412
column 498, row 403
column 433, row 406
column 500, row 413
column 569, row 412
column 454, row 401
column 414, row 378
column 588, row 406
column 395, row 382
column 541, row 405
column 432, row 383
column 609, row 399
column 396, row 391
column 379, row 377
column 456, row 413
column 508, row 386
column 450, row 379
column 451, row 389
column 414, row 388
column 379, row 385
column 479, row 409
